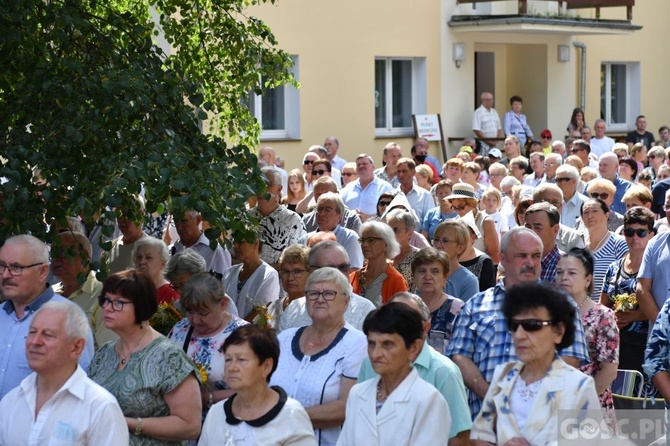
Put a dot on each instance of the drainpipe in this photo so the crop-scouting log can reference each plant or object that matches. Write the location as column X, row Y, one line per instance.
column 582, row 75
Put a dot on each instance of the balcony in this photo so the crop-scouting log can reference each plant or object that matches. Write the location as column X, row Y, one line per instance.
column 553, row 17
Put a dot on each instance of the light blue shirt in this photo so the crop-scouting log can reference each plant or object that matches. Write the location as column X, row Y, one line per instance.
column 655, row 263
column 462, row 284
column 365, row 200
column 13, row 332
column 421, row 201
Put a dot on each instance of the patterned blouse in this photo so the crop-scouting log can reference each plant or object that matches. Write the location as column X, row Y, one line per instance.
column 618, row 281
column 149, row 374
column 442, row 323
column 602, row 341
column 405, row 268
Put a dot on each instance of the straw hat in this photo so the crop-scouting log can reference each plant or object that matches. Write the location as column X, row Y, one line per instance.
column 462, row 191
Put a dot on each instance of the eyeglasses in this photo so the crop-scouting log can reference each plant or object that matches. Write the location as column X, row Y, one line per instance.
column 577, row 149
column 545, row 137
column 603, row 196
column 529, row 325
column 307, row 161
column 325, row 210
column 368, row 239
column 15, row 269
column 342, row 267
column 383, row 203
column 442, row 241
column 459, row 208
column 319, row 172
column 117, row 305
column 297, row 273
column 628, row 232
column 327, row 294
column 348, row 174
column 563, row 180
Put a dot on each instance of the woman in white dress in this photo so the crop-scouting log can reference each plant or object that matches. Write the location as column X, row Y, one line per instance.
column 256, row 414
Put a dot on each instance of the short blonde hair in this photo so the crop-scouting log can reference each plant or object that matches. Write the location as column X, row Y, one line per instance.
column 638, row 192
column 473, row 167
column 588, row 174
column 602, row 183
column 493, row 192
column 425, row 172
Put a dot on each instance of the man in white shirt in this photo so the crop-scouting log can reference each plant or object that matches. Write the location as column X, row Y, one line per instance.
column 486, row 123
column 332, row 145
column 362, row 194
column 566, row 180
column 58, row 403
column 600, row 143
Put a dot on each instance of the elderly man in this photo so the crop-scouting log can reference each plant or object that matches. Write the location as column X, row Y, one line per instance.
column 486, row 123
column 332, row 145
column 350, row 219
column 419, row 198
column 269, row 155
column 497, row 172
column 70, row 261
column 585, row 134
column 601, row 143
column 567, row 177
column 363, row 193
column 607, row 166
column 543, row 219
column 280, row 227
column 391, row 154
column 559, row 147
column 435, row 369
column 567, row 237
column 327, row 253
column 537, row 166
column 191, row 236
column 58, row 403
column 481, row 349
column 24, row 267
column 329, row 211
column 551, row 163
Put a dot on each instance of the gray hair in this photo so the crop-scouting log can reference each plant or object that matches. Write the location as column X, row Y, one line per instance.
column 37, row 248
column 201, row 291
column 272, row 175
column 555, row 157
column 333, row 197
column 402, row 215
column 319, row 150
column 152, row 242
column 76, row 322
column 325, row 244
column 558, row 143
column 329, row 274
column 327, row 181
column 406, row 295
column 518, row 230
column 543, row 187
column 385, row 233
column 184, row 262
column 568, row 169
column 509, row 181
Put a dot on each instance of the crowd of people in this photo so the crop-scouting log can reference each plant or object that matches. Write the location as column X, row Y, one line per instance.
column 407, row 302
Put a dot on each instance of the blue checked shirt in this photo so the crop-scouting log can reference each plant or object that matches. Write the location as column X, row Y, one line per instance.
column 549, row 263
column 481, row 334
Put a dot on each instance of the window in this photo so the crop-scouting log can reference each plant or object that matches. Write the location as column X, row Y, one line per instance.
column 619, row 94
column 400, row 91
column 278, row 110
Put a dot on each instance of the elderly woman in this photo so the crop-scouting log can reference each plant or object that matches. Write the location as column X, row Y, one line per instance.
column 574, row 275
column 463, row 200
column 453, row 237
column 319, row 363
column 431, row 269
column 397, row 407
column 526, row 397
column 151, row 255
column 204, row 329
column 476, row 261
column 621, row 279
column 252, row 282
column 440, row 213
column 606, row 246
column 377, row 281
column 656, row 157
column 403, row 223
column 256, row 413
column 293, row 271
column 151, row 377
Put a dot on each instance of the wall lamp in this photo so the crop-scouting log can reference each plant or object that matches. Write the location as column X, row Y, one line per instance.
column 458, row 53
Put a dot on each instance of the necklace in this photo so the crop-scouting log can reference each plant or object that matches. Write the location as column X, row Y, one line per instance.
column 579, row 307
column 125, row 357
column 381, row 397
column 601, row 241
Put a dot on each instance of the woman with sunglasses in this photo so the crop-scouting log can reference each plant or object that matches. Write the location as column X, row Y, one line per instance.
column 574, row 275
column 621, row 278
column 605, row 246
column 150, row 376
column 378, row 280
column 319, row 363
column 383, row 203
column 526, row 397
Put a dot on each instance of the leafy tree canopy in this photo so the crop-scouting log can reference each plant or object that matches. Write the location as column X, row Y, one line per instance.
column 89, row 100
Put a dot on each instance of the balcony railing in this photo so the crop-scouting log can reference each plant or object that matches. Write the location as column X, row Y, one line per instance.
column 574, row 4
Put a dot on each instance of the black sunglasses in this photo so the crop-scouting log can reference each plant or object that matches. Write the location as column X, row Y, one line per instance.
column 527, row 324
column 319, row 172
column 628, row 232
column 307, row 162
column 603, row 196
column 383, row 203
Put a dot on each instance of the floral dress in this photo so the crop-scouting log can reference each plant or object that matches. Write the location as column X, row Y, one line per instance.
column 442, row 323
column 602, row 340
column 405, row 268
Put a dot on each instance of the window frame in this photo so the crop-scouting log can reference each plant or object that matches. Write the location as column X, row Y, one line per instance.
column 291, row 128
column 632, row 94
